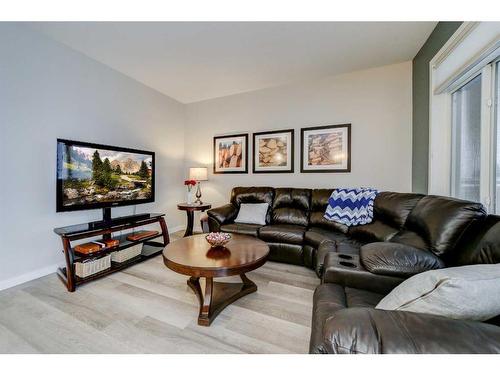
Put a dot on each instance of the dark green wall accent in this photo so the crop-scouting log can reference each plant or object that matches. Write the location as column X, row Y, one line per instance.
column 420, row 157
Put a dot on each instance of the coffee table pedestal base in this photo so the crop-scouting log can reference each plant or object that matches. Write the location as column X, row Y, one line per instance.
column 218, row 295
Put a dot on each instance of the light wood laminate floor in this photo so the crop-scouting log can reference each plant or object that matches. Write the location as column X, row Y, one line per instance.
column 150, row 309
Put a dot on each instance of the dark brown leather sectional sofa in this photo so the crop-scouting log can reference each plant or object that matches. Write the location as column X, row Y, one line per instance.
column 358, row 266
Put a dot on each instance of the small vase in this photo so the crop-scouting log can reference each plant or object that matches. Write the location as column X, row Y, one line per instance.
column 189, row 197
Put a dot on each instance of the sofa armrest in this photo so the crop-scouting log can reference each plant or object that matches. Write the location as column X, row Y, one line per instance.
column 346, row 270
column 396, row 259
column 220, row 216
column 324, row 248
column 372, row 331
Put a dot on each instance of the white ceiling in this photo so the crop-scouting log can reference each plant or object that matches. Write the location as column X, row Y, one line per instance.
column 195, row 61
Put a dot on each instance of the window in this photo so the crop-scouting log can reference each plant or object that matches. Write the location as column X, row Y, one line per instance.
column 496, row 97
column 464, row 122
column 475, row 139
column 466, row 143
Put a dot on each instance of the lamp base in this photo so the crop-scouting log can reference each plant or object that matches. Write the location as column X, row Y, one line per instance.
column 198, row 194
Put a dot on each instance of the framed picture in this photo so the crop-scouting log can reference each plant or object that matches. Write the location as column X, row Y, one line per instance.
column 326, row 149
column 273, row 151
column 230, row 154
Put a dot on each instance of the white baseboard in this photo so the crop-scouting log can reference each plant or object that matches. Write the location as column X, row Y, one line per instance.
column 21, row 279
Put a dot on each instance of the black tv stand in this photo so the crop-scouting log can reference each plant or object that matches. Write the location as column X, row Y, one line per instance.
column 106, row 214
column 107, row 221
column 152, row 246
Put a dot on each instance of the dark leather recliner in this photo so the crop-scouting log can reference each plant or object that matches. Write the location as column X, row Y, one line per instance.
column 359, row 265
column 345, row 319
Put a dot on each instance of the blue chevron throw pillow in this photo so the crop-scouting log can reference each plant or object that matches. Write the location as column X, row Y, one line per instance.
column 351, row 206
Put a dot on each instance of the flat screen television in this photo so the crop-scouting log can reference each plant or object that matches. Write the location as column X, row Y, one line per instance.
column 92, row 175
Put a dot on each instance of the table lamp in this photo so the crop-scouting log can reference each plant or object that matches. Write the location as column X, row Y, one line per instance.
column 198, row 174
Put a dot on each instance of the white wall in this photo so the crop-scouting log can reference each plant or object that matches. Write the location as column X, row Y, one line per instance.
column 47, row 91
column 377, row 102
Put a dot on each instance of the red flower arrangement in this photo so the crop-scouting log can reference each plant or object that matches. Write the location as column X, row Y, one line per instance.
column 190, row 182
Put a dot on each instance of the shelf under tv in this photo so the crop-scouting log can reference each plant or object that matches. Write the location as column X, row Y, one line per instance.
column 151, row 245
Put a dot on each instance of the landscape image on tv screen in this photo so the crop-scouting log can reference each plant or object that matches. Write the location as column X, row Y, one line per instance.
column 90, row 175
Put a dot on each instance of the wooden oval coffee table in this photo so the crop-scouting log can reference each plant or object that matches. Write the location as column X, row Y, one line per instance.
column 193, row 256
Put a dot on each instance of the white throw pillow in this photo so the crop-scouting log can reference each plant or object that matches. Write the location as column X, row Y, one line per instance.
column 468, row 292
column 252, row 213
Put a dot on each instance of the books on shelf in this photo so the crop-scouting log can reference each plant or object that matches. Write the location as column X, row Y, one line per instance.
column 137, row 236
column 94, row 246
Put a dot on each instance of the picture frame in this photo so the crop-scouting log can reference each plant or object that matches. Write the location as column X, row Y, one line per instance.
column 231, row 154
column 326, row 149
column 273, row 151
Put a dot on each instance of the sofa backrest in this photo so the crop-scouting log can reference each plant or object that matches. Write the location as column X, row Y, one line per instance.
column 291, row 206
column 260, row 194
column 394, row 208
column 441, row 221
column 427, row 222
column 390, row 211
column 480, row 244
column 319, row 202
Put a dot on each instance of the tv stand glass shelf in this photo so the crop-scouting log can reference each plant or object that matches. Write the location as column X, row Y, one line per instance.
column 151, row 246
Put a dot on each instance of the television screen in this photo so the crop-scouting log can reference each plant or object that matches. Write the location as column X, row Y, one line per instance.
column 94, row 176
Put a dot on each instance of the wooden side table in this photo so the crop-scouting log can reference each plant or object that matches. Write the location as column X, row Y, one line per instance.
column 190, row 209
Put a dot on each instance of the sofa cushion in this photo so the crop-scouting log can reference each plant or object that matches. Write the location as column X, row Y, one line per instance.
column 410, row 238
column 317, row 219
column 252, row 213
column 394, row 208
column 250, row 229
column 468, row 292
column 261, row 194
column 442, row 220
column 386, row 258
column 319, row 202
column 375, row 231
column 291, row 206
column 283, row 233
column 314, row 236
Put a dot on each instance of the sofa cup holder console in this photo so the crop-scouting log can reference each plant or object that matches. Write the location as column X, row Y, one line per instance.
column 346, row 260
column 348, row 264
column 345, row 256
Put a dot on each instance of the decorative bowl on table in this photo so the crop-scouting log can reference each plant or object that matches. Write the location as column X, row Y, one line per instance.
column 218, row 239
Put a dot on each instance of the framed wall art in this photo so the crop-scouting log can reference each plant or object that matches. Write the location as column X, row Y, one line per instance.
column 231, row 154
column 273, row 151
column 326, row 149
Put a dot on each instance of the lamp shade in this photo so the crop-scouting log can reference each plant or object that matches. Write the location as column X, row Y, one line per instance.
column 198, row 174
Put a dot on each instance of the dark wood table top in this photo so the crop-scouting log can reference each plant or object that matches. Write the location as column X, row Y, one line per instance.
column 194, row 206
column 193, row 256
